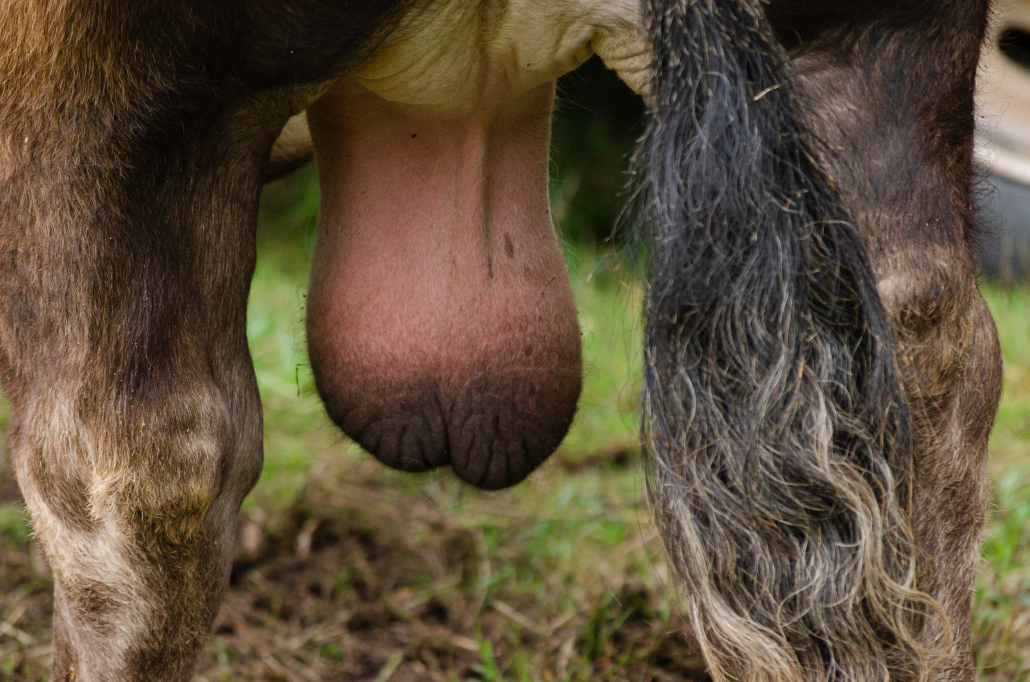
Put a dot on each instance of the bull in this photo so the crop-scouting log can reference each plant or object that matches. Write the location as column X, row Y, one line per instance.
column 821, row 373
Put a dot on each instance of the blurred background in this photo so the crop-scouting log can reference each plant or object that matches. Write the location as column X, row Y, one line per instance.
column 348, row 571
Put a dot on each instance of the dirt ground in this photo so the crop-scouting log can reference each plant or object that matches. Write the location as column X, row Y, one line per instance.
column 370, row 575
column 362, row 579
column 347, row 571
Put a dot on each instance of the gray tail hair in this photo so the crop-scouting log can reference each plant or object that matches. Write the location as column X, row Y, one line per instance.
column 780, row 449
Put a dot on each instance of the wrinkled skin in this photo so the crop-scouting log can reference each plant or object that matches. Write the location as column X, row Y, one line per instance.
column 133, row 143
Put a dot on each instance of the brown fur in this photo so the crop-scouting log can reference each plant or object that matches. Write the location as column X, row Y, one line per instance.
column 132, row 141
column 893, row 99
column 132, row 138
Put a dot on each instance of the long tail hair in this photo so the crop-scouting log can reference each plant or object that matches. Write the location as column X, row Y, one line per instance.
column 780, row 453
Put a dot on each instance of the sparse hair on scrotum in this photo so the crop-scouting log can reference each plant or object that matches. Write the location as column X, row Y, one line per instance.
column 780, row 464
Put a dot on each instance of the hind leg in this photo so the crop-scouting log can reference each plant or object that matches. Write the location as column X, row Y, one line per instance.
column 951, row 367
column 135, row 417
column 898, row 123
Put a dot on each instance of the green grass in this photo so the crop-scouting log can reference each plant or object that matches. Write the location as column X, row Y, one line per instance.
column 1001, row 614
column 569, row 557
column 378, row 575
column 567, row 513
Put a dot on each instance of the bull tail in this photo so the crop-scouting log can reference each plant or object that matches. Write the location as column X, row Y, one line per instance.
column 780, row 453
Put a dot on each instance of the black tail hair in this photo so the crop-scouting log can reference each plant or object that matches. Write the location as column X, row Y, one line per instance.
column 780, row 454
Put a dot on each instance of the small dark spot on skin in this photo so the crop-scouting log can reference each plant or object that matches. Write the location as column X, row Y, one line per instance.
column 414, row 135
column 528, row 273
column 509, row 248
column 528, row 351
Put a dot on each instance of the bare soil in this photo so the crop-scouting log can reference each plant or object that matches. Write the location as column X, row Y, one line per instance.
column 362, row 579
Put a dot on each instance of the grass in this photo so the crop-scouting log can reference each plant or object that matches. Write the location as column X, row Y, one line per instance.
column 348, row 571
column 1001, row 614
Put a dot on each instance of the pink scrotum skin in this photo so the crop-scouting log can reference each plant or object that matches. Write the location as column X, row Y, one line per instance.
column 441, row 324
